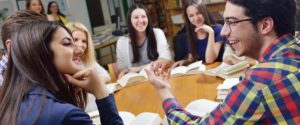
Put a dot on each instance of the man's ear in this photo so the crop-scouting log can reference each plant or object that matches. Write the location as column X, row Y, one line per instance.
column 7, row 44
column 266, row 25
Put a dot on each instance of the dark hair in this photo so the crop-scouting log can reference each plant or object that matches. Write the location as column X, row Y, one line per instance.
column 190, row 28
column 281, row 11
column 152, row 43
column 16, row 20
column 31, row 64
column 58, row 12
column 28, row 2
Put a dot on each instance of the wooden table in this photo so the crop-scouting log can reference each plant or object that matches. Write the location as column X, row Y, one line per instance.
column 142, row 97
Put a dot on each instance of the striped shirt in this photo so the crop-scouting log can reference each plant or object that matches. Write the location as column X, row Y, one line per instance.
column 3, row 66
column 267, row 94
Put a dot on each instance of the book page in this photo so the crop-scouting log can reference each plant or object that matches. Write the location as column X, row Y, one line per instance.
column 143, row 73
column 130, row 78
column 201, row 106
column 112, row 87
column 127, row 117
column 147, row 118
column 180, row 70
column 214, row 71
column 235, row 68
column 194, row 65
column 229, row 83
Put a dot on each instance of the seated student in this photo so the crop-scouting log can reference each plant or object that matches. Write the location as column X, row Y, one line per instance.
column 204, row 41
column 269, row 91
column 36, row 6
column 231, row 58
column 54, row 14
column 43, row 74
column 179, row 43
column 142, row 45
column 11, row 24
column 83, row 39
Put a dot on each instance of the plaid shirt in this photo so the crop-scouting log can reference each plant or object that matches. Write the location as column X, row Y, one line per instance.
column 268, row 93
column 3, row 66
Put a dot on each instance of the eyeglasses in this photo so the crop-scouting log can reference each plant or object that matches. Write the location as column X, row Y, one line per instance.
column 232, row 23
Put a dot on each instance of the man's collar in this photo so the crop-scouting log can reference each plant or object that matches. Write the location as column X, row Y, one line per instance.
column 275, row 46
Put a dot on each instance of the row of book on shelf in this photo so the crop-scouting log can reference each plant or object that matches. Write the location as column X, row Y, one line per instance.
column 224, row 71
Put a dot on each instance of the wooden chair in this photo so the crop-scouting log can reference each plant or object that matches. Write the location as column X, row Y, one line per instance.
column 113, row 71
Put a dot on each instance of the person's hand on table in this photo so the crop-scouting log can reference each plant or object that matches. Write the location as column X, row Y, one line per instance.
column 159, row 79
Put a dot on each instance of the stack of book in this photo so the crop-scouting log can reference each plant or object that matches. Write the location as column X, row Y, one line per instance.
column 225, row 88
column 226, row 71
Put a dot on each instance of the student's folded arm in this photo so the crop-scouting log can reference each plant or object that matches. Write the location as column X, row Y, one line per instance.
column 213, row 48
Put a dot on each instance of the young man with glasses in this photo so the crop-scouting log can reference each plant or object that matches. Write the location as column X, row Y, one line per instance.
column 268, row 93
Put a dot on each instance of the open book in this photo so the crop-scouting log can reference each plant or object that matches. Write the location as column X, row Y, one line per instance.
column 132, row 77
column 190, row 69
column 228, row 71
column 225, row 88
column 199, row 108
column 145, row 118
column 127, row 80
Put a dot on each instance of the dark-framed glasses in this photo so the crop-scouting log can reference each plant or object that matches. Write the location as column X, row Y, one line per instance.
column 232, row 23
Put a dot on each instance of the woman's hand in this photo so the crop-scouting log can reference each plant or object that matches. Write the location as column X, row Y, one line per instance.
column 90, row 81
column 179, row 63
column 122, row 73
column 205, row 28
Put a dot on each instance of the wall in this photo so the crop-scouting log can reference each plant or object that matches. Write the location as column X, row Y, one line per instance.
column 78, row 12
column 6, row 8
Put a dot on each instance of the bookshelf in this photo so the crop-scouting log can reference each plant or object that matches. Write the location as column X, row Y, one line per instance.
column 155, row 11
column 175, row 8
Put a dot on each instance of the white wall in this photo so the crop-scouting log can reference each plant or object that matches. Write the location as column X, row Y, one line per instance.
column 7, row 5
column 78, row 12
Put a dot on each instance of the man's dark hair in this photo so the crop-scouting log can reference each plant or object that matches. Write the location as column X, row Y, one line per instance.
column 16, row 20
column 281, row 11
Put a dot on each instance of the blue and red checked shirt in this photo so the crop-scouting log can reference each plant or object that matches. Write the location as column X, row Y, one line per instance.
column 267, row 94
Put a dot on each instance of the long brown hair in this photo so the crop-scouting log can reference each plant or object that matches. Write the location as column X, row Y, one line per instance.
column 28, row 2
column 152, row 43
column 30, row 64
column 190, row 28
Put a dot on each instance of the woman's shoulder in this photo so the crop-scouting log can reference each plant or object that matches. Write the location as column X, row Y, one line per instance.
column 123, row 40
column 218, row 27
column 157, row 30
column 51, row 108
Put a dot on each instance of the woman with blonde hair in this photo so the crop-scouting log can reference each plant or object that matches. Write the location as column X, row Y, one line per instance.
column 83, row 39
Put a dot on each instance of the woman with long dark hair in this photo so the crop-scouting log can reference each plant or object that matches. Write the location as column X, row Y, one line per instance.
column 35, row 5
column 42, row 80
column 204, row 41
column 54, row 14
column 143, row 44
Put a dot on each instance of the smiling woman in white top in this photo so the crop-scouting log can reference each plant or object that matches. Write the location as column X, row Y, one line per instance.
column 142, row 45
